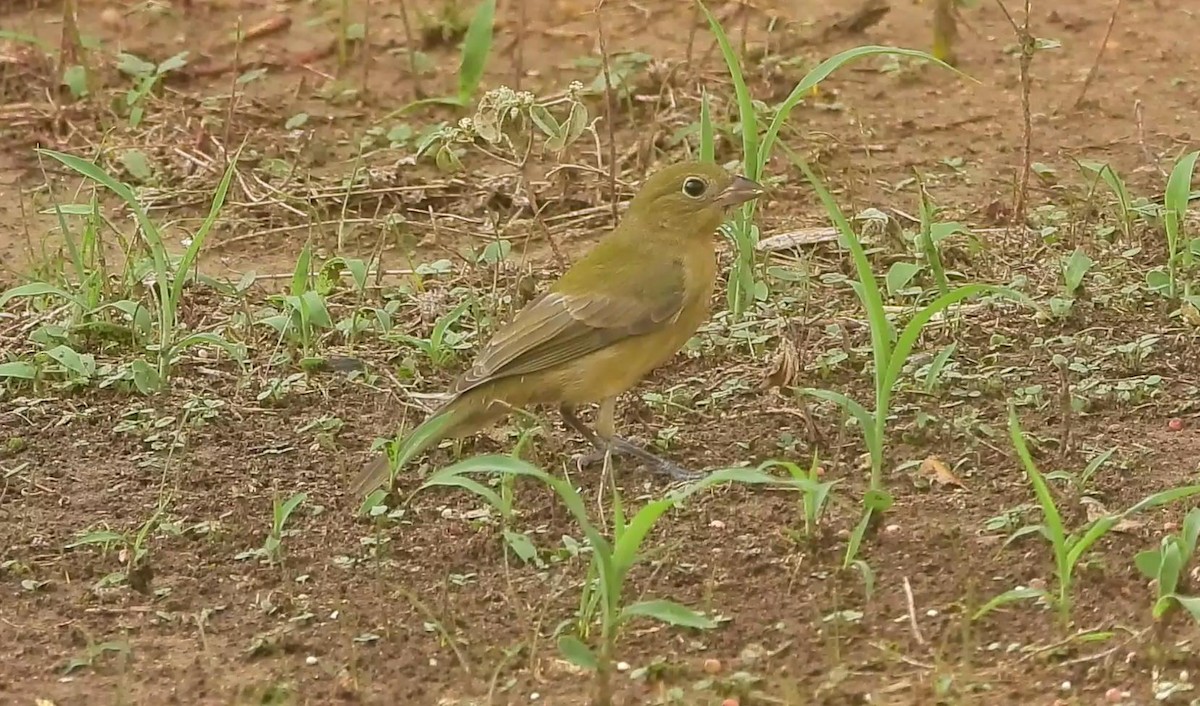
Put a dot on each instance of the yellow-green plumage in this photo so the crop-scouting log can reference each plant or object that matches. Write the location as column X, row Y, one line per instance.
column 619, row 312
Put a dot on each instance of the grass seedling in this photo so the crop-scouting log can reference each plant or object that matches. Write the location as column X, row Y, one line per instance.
column 443, row 342
column 281, row 512
column 477, row 44
column 930, row 238
column 1125, row 210
column 1068, row 547
column 602, row 597
column 304, row 310
column 165, row 274
column 1080, row 481
column 272, row 547
column 1074, row 269
column 814, row 493
column 1167, row 566
column 890, row 353
column 745, row 286
column 146, row 75
column 1175, row 206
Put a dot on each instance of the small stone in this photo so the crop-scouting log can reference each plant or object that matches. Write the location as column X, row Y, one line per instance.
column 310, row 660
column 1115, row 695
column 892, row 529
column 717, row 524
column 534, row 696
column 729, row 702
column 622, row 666
column 1176, row 424
column 111, row 17
column 712, row 665
column 1065, row 686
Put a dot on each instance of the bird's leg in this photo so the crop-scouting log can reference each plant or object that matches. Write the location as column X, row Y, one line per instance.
column 606, row 441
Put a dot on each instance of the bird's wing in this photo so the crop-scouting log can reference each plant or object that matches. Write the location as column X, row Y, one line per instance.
column 558, row 327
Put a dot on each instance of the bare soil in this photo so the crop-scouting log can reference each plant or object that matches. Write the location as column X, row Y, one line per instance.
column 429, row 608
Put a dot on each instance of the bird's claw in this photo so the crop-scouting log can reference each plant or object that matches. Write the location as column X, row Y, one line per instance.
column 623, row 447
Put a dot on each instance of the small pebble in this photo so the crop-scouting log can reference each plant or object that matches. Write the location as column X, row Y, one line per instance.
column 729, row 702
column 622, row 666
column 534, row 696
column 712, row 665
column 310, row 660
column 1066, row 686
column 1176, row 424
column 111, row 17
column 717, row 524
column 1115, row 695
column 892, row 529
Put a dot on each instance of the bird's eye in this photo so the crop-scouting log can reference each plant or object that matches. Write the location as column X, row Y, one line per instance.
column 694, row 187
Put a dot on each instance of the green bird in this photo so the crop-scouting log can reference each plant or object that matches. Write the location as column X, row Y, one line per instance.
column 618, row 313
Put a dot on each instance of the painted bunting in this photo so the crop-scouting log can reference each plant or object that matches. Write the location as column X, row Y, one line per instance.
column 622, row 310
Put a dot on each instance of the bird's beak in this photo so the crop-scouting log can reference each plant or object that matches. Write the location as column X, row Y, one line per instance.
column 739, row 192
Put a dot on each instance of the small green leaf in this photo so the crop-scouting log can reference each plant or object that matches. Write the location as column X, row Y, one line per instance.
column 521, row 545
column 1158, row 281
column 577, row 653
column 477, row 44
column 75, row 79
column 250, row 76
column 133, row 66
column 1021, row 593
column 1191, row 604
column 137, row 165
column 1075, row 269
column 145, row 378
column 18, row 369
column 83, row 365
column 296, row 121
column 174, row 63
column 669, row 612
column 899, row 275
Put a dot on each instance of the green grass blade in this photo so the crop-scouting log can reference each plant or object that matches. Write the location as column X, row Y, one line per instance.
column 708, row 147
column 668, row 612
column 40, row 289
column 872, row 299
column 818, row 74
column 1175, row 201
column 301, row 272
column 912, row 330
column 1052, row 519
column 496, row 464
column 866, row 419
column 193, row 250
column 746, row 112
column 627, row 547
column 477, row 44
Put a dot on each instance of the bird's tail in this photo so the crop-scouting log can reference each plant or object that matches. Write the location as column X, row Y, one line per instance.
column 437, row 427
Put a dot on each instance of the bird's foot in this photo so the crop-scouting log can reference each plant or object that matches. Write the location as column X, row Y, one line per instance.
column 623, row 447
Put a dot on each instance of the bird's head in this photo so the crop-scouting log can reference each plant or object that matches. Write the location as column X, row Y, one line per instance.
column 691, row 198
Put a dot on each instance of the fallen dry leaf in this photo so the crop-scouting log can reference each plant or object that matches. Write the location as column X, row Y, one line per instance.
column 1095, row 510
column 940, row 473
column 784, row 368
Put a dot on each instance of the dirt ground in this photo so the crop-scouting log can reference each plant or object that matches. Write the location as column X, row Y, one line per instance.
column 427, row 607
